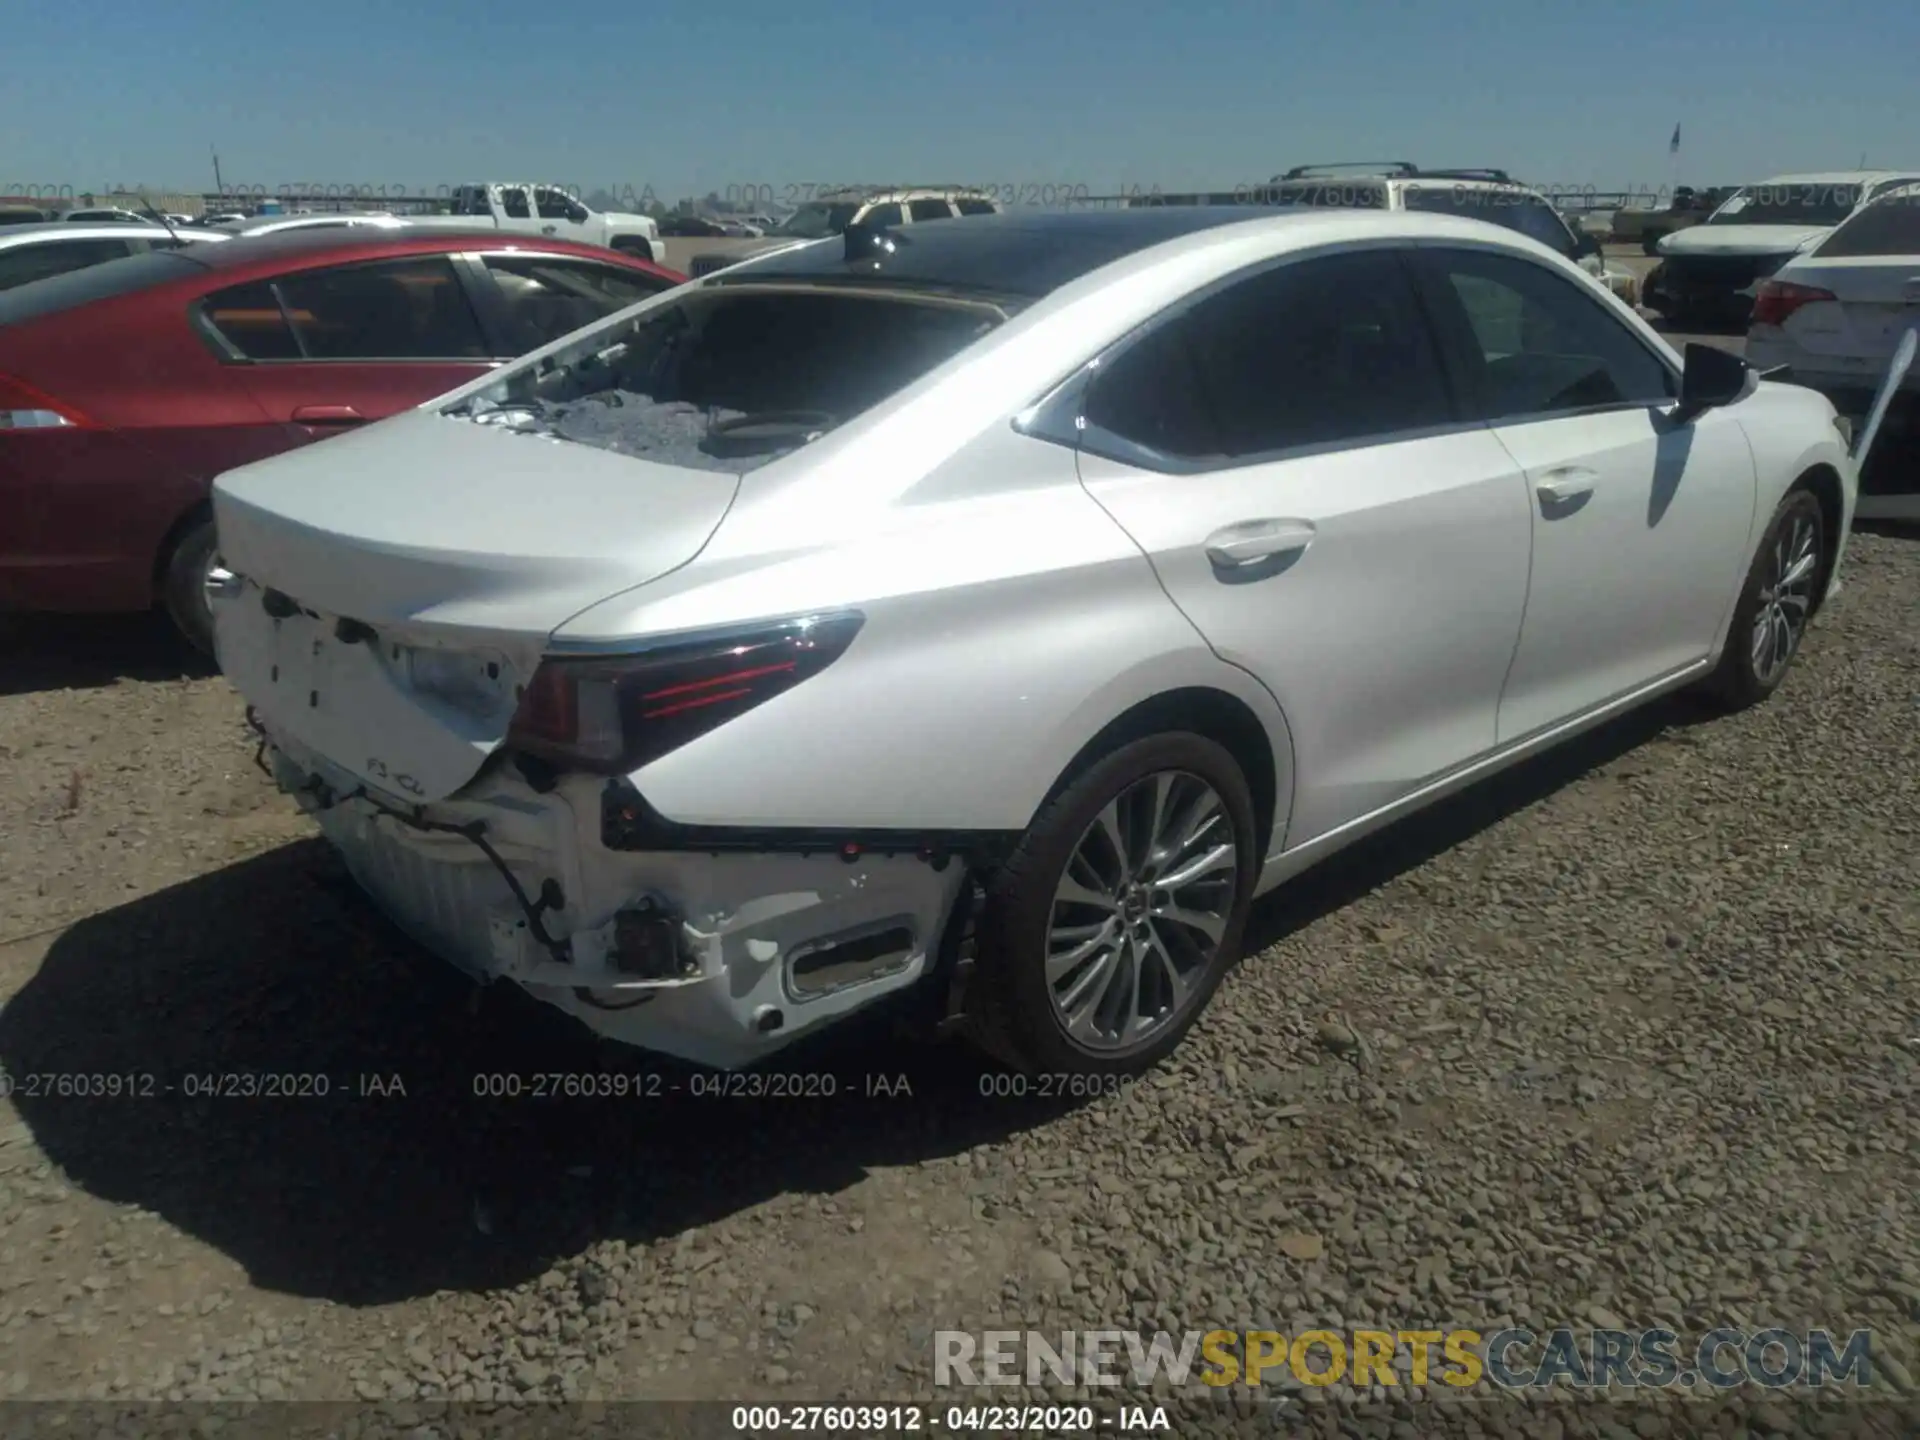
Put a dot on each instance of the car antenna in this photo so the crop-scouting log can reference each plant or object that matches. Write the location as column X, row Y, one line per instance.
column 165, row 224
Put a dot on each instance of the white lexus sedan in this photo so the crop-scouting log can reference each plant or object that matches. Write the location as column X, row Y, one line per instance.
column 982, row 615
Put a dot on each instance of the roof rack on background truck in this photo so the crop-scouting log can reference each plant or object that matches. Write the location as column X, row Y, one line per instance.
column 1498, row 177
column 1364, row 167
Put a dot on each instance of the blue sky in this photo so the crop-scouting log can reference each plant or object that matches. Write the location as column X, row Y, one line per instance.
column 689, row 97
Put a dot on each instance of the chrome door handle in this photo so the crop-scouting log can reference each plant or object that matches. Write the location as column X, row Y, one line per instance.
column 1569, row 482
column 1252, row 541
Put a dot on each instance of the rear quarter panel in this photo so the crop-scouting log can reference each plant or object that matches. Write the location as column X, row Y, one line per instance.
column 1003, row 632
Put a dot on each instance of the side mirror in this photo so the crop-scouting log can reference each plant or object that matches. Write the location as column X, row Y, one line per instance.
column 1713, row 377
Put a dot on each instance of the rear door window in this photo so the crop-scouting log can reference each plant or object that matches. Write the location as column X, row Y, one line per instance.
column 21, row 264
column 881, row 216
column 930, row 210
column 1323, row 352
column 976, row 207
column 412, row 309
column 547, row 299
column 395, row 310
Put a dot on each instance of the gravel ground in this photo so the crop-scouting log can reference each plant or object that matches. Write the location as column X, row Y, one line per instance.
column 1629, row 1034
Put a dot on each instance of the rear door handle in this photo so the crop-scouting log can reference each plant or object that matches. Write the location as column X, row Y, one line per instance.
column 1251, row 541
column 327, row 415
column 1569, row 482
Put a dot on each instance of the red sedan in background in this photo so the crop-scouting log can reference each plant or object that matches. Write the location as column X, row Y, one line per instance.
column 126, row 387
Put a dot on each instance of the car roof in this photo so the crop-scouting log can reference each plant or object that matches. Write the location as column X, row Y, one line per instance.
column 320, row 244
column 80, row 230
column 1835, row 177
column 1026, row 254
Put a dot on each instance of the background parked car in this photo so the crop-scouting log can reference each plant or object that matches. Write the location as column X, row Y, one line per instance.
column 1479, row 194
column 34, row 252
column 1835, row 315
column 1710, row 273
column 276, row 224
column 832, row 214
column 24, row 215
column 547, row 210
column 125, row 388
column 107, row 215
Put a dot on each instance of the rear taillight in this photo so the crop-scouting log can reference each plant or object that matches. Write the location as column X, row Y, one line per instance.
column 24, row 408
column 611, row 715
column 1775, row 300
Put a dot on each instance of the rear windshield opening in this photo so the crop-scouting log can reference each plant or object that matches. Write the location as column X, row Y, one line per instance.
column 730, row 379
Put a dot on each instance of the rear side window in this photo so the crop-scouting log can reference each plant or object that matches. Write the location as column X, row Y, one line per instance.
column 1511, row 210
column 24, row 263
column 975, row 207
column 93, row 282
column 1326, row 351
column 550, row 298
column 514, row 203
column 882, row 215
column 930, row 210
column 249, row 318
column 1886, row 227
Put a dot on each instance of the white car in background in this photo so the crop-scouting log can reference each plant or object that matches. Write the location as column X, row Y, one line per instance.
column 991, row 610
column 1490, row 195
column 1711, row 271
column 35, row 252
column 1835, row 315
column 274, row 224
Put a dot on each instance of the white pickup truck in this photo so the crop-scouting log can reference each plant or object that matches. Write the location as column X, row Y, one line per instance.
column 547, row 210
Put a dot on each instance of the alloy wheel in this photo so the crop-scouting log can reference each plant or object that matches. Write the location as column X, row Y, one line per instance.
column 1140, row 910
column 1786, row 597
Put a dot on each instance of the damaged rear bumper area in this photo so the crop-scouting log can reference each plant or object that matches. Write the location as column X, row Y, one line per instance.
column 718, row 956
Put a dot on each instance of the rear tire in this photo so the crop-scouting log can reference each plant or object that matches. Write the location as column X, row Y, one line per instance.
column 1107, row 984
column 183, row 585
column 1784, row 583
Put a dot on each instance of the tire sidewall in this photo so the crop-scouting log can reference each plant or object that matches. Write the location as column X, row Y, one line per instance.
column 1018, row 915
column 185, row 588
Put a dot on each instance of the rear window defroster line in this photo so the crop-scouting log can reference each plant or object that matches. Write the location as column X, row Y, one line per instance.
column 551, row 896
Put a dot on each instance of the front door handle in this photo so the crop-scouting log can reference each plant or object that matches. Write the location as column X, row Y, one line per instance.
column 549, row 229
column 1252, row 541
column 1569, row 482
column 327, row 415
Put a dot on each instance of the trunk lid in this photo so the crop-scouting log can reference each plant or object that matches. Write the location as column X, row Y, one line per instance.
column 451, row 551
column 1878, row 302
column 1741, row 239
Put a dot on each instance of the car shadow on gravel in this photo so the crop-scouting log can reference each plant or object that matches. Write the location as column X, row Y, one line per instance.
column 81, row 652
column 403, row 1179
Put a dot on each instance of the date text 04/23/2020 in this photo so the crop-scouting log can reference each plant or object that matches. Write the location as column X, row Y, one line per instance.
column 699, row 1085
column 34, row 1085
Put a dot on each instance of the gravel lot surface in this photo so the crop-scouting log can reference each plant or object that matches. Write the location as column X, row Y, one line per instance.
column 1629, row 1036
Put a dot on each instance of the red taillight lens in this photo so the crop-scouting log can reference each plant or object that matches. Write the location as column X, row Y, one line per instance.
column 613, row 715
column 1775, row 300
column 24, row 408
